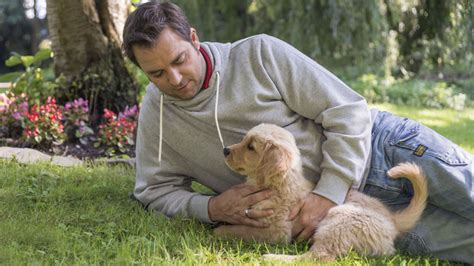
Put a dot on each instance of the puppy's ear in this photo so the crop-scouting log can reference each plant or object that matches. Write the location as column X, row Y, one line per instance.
column 275, row 161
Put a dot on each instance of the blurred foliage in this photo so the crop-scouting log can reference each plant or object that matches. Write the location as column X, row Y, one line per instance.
column 387, row 37
column 32, row 80
column 20, row 33
column 390, row 37
column 331, row 31
column 15, row 30
column 414, row 92
column 215, row 20
column 432, row 34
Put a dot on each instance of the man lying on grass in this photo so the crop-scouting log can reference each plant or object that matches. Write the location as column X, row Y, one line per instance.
column 205, row 94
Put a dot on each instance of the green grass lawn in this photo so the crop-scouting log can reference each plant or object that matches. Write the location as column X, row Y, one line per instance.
column 82, row 215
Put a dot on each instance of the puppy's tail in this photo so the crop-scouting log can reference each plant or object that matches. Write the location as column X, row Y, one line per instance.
column 407, row 218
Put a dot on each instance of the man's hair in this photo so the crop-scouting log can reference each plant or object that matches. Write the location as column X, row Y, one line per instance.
column 144, row 26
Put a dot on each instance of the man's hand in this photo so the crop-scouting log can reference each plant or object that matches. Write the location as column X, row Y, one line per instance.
column 307, row 214
column 230, row 206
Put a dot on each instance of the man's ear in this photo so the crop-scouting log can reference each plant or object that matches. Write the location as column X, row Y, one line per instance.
column 195, row 38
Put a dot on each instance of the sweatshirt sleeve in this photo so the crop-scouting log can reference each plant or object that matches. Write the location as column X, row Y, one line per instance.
column 163, row 187
column 313, row 92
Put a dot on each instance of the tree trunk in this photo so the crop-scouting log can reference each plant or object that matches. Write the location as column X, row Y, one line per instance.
column 86, row 39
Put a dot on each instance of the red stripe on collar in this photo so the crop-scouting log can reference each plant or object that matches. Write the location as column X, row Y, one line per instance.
column 205, row 84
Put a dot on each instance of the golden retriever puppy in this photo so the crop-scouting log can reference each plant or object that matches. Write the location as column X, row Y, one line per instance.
column 269, row 157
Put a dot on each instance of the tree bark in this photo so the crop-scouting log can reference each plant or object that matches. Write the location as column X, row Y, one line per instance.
column 86, row 38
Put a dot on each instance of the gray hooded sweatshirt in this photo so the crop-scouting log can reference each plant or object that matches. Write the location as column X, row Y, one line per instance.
column 261, row 79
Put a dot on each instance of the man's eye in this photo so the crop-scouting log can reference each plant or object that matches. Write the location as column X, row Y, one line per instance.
column 157, row 75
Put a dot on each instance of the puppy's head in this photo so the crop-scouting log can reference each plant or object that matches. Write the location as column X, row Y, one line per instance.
column 265, row 154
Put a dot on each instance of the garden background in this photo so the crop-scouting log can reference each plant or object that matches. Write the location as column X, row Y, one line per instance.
column 66, row 89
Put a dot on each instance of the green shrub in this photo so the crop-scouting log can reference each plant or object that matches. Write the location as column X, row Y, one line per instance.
column 432, row 94
column 427, row 94
column 371, row 87
column 31, row 81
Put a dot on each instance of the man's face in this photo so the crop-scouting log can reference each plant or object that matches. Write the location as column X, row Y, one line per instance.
column 173, row 64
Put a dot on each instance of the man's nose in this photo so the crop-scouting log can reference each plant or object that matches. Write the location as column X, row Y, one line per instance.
column 226, row 151
column 174, row 77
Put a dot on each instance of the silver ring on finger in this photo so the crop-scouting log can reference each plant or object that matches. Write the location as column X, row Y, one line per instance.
column 247, row 213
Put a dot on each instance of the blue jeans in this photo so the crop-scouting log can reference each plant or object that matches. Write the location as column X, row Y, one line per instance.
column 446, row 229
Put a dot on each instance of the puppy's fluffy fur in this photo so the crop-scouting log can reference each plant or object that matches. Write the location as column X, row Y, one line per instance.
column 269, row 157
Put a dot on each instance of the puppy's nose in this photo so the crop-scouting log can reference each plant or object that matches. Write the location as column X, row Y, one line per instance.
column 226, row 151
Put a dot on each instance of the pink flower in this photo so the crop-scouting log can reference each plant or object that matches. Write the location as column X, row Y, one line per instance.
column 24, row 107
column 129, row 112
column 16, row 115
column 109, row 114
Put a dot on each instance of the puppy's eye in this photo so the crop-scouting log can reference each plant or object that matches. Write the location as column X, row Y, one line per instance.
column 250, row 147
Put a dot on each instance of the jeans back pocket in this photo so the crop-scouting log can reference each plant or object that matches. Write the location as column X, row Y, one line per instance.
column 421, row 141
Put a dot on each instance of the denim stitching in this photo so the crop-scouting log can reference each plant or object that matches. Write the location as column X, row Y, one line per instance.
column 413, row 132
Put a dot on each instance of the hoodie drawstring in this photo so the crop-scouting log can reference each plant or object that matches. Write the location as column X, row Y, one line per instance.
column 215, row 110
column 161, row 128
column 215, row 118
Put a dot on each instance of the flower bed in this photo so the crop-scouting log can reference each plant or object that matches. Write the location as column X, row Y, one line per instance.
column 64, row 129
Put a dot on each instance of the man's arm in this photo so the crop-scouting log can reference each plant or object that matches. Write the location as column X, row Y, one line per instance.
column 163, row 187
column 315, row 93
column 160, row 190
